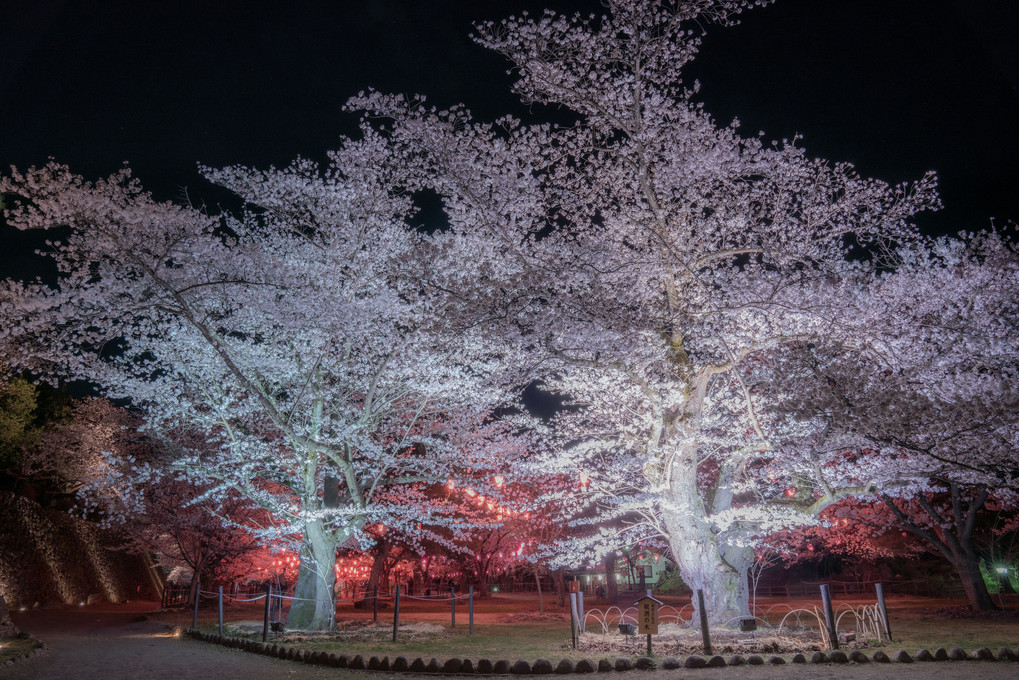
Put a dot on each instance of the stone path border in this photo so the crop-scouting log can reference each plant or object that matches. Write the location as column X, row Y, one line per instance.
column 460, row 666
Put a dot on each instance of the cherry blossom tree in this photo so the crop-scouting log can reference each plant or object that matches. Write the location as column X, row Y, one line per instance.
column 646, row 257
column 310, row 370
column 210, row 539
column 922, row 414
column 74, row 455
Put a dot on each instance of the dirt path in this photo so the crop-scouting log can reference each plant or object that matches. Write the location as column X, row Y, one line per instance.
column 121, row 643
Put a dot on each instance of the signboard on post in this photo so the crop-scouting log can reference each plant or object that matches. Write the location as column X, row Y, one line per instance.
column 647, row 615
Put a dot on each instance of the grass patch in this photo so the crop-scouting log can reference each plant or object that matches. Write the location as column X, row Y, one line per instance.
column 507, row 627
column 915, row 630
column 499, row 641
column 15, row 648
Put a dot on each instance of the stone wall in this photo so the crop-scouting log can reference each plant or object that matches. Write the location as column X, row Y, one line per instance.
column 51, row 557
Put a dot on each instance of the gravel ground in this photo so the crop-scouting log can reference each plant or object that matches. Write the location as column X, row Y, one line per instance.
column 121, row 643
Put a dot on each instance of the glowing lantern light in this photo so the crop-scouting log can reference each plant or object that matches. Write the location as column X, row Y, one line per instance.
column 791, row 491
column 471, row 492
column 585, row 481
column 499, row 481
column 451, row 485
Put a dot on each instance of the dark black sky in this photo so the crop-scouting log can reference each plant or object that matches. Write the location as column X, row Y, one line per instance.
column 896, row 86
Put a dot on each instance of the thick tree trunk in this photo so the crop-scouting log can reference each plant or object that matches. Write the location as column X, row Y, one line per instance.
column 541, row 599
column 314, row 605
column 952, row 534
column 724, row 581
column 968, row 567
column 706, row 561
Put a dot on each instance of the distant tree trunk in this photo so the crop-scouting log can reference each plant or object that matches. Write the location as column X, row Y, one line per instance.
column 375, row 580
column 421, row 568
column 197, row 573
column 541, row 599
column 1005, row 585
column 559, row 578
column 193, row 589
column 611, row 585
column 481, row 586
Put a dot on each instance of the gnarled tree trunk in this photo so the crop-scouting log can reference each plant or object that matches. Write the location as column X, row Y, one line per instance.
column 706, row 560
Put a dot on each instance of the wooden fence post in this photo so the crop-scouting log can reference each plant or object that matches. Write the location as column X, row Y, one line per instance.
column 470, row 610
column 705, row 630
column 396, row 611
column 198, row 595
column 573, row 618
column 880, row 588
column 268, row 609
column 829, row 616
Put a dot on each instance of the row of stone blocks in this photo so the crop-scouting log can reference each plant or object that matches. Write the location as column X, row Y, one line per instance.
column 566, row 666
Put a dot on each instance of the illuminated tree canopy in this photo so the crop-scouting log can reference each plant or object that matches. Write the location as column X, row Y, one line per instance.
column 653, row 259
column 745, row 335
column 284, row 354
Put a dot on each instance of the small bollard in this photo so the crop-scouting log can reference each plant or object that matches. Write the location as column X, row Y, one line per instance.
column 220, row 599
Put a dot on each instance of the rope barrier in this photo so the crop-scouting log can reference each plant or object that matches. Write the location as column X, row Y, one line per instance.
column 210, row 594
column 366, row 597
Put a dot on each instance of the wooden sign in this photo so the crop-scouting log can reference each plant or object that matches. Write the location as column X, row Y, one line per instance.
column 647, row 615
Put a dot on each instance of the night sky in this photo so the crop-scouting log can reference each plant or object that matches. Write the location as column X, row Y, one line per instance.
column 895, row 86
